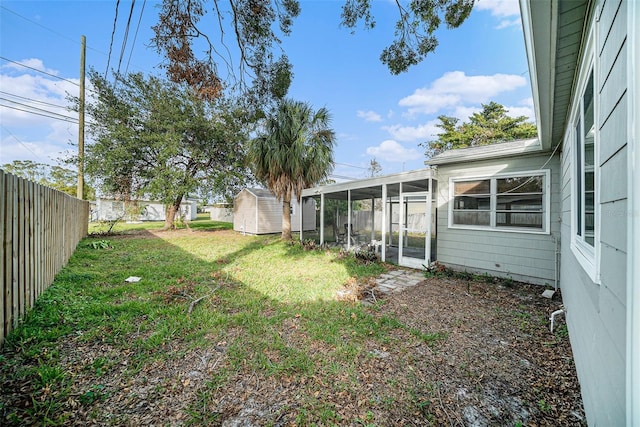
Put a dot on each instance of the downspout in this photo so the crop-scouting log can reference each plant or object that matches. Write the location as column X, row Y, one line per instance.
column 556, row 272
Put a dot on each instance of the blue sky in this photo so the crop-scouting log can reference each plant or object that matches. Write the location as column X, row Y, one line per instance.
column 375, row 114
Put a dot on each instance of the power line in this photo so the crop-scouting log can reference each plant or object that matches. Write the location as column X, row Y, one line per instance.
column 351, row 166
column 125, row 38
column 51, row 114
column 31, row 106
column 113, row 33
column 40, row 71
column 22, row 143
column 135, row 37
column 33, row 100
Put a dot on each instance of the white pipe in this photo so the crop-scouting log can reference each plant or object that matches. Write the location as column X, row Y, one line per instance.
column 553, row 315
column 556, row 262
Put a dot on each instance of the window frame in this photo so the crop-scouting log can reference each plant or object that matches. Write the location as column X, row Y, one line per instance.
column 493, row 211
column 586, row 254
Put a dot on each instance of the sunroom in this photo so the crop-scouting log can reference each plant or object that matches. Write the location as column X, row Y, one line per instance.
column 394, row 215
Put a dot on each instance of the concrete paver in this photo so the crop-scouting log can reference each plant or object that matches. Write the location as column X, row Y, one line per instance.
column 397, row 280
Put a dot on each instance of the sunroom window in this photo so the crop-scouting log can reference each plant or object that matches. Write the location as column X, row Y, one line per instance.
column 472, row 202
column 507, row 202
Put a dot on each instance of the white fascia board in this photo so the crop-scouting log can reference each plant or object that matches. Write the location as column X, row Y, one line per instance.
column 540, row 35
column 370, row 182
column 633, row 217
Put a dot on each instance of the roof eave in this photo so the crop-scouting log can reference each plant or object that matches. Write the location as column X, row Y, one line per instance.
column 540, row 42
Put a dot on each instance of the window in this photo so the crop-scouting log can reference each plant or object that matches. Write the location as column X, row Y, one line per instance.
column 585, row 168
column 581, row 143
column 504, row 202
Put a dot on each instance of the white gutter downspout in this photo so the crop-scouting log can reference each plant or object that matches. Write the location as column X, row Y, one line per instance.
column 301, row 209
column 322, row 219
column 348, row 219
column 633, row 217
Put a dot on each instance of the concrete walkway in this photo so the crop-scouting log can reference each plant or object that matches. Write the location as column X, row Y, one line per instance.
column 397, row 280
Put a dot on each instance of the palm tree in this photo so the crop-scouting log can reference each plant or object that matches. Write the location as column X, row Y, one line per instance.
column 293, row 152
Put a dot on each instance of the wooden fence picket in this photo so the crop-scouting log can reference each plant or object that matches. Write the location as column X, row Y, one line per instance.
column 39, row 231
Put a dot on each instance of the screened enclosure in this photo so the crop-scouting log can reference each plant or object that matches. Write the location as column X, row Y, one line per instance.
column 393, row 215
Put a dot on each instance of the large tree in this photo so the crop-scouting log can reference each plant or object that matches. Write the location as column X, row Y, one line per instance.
column 242, row 38
column 157, row 139
column 293, row 151
column 490, row 126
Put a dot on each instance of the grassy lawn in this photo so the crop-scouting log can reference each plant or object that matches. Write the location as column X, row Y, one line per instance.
column 210, row 286
column 225, row 329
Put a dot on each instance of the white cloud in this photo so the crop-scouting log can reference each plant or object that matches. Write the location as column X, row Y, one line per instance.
column 31, row 63
column 499, row 8
column 456, row 88
column 392, row 151
column 506, row 23
column 34, row 134
column 463, row 113
column 412, row 133
column 369, row 116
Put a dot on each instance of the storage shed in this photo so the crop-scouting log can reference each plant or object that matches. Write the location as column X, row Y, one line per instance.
column 258, row 211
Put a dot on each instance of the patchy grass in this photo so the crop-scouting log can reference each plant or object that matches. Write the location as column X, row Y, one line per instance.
column 194, row 287
column 247, row 330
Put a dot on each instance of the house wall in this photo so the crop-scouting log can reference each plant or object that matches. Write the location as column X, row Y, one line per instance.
column 519, row 255
column 596, row 310
column 244, row 212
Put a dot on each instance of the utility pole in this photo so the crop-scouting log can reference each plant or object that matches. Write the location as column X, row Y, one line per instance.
column 83, row 50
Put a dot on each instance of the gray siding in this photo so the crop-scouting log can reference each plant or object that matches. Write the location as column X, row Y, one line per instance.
column 522, row 256
column 596, row 312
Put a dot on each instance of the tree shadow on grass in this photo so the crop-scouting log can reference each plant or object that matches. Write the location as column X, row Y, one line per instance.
column 92, row 332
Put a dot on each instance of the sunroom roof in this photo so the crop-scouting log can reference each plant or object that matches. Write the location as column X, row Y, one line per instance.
column 371, row 188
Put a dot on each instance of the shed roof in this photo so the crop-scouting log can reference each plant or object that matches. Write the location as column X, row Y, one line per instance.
column 261, row 193
column 504, row 149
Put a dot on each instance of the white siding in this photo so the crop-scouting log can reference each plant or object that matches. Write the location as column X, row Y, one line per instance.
column 521, row 256
column 596, row 311
column 244, row 213
column 255, row 214
column 269, row 215
column 221, row 214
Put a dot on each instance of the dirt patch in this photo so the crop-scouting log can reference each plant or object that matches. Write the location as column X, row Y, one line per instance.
column 463, row 353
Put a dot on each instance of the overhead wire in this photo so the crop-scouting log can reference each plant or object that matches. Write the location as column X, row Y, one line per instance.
column 135, row 37
column 33, row 100
column 30, row 106
column 125, row 37
column 48, row 114
column 40, row 71
column 113, row 33
column 22, row 143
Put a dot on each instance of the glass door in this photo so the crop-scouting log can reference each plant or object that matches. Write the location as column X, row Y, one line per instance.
column 415, row 225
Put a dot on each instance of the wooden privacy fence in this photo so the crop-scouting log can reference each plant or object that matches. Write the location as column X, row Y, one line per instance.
column 39, row 230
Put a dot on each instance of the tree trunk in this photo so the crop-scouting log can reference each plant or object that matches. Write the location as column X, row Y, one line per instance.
column 171, row 214
column 286, row 221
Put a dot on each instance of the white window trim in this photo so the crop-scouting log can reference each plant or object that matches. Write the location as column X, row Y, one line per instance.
column 546, row 202
column 587, row 256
